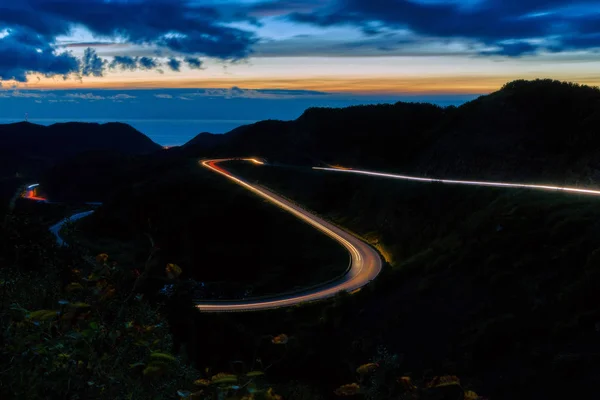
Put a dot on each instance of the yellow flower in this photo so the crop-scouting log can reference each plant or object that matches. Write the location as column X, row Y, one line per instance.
column 272, row 396
column 407, row 383
column 223, row 377
column 173, row 271
column 280, row 339
column 471, row 395
column 202, row 382
column 102, row 258
column 348, row 390
column 366, row 368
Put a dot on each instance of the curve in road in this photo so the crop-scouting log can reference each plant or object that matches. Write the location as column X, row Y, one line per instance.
column 365, row 263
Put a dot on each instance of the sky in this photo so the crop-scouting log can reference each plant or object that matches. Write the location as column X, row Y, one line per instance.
column 57, row 53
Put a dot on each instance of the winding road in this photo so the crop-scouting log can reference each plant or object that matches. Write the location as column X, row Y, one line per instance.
column 365, row 263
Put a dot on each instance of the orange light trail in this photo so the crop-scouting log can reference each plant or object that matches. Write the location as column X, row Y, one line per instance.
column 31, row 194
column 365, row 263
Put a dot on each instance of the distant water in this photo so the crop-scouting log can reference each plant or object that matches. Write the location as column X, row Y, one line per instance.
column 165, row 132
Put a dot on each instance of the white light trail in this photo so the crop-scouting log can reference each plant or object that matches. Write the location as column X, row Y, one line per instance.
column 461, row 182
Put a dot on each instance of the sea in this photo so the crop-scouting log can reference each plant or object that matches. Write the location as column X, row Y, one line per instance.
column 166, row 132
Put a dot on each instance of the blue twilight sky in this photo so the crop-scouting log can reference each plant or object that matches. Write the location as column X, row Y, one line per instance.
column 279, row 52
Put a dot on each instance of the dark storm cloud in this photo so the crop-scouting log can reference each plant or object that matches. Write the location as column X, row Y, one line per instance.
column 513, row 49
column 174, row 64
column 24, row 51
column 490, row 21
column 147, row 63
column 29, row 28
column 125, row 63
column 180, row 25
column 91, row 64
column 193, row 62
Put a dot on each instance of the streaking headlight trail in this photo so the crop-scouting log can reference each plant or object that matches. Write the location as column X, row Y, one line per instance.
column 461, row 182
column 365, row 263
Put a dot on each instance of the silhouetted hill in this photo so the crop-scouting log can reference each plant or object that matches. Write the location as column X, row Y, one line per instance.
column 96, row 175
column 29, row 148
column 540, row 129
column 207, row 140
column 365, row 135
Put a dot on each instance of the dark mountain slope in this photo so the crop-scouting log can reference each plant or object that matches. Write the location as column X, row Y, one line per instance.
column 30, row 148
column 539, row 129
column 365, row 135
column 207, row 140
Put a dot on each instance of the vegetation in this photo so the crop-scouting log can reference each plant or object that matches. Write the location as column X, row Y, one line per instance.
column 29, row 149
column 489, row 278
column 79, row 328
column 229, row 241
column 486, row 290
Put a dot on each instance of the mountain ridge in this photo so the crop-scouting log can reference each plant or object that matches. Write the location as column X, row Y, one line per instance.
column 29, row 149
column 539, row 129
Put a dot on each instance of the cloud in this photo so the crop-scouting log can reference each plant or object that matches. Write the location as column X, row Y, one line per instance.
column 490, row 22
column 147, row 63
column 513, row 49
column 163, row 96
column 236, row 92
column 174, row 64
column 279, row 7
column 390, row 44
column 35, row 95
column 74, row 44
column 181, row 25
column 31, row 28
column 122, row 96
column 23, row 51
column 62, row 101
column 125, row 63
column 85, row 96
column 193, row 62
column 92, row 64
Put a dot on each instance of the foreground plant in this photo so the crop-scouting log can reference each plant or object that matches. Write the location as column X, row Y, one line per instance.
column 379, row 380
column 97, row 341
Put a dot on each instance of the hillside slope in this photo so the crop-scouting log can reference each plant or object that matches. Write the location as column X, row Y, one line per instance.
column 362, row 135
column 29, row 148
column 540, row 129
column 528, row 130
